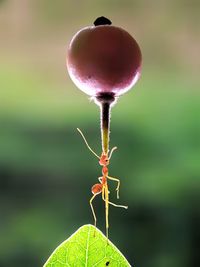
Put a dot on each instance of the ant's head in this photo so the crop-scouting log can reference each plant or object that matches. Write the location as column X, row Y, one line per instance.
column 104, row 160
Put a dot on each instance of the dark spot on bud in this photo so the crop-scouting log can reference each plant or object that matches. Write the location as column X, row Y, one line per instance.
column 102, row 21
column 107, row 263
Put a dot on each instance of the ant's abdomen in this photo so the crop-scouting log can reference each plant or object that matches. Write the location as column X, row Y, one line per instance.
column 96, row 189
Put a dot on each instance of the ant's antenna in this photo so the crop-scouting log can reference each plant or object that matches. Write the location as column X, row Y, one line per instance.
column 112, row 150
column 87, row 143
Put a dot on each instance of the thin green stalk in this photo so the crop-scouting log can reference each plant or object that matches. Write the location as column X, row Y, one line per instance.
column 105, row 126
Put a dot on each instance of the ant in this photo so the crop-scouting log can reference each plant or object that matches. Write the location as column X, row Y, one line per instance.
column 102, row 186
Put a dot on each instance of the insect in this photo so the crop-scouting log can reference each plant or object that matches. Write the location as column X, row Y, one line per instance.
column 102, row 186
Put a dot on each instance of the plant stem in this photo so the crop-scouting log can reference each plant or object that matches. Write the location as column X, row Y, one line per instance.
column 105, row 126
column 105, row 101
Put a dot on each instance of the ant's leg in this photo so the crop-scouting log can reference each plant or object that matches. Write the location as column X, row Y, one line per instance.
column 118, row 184
column 103, row 193
column 113, row 204
column 96, row 189
column 118, row 206
column 100, row 179
column 93, row 213
column 105, row 196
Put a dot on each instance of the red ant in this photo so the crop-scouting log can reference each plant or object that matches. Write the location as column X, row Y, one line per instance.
column 102, row 187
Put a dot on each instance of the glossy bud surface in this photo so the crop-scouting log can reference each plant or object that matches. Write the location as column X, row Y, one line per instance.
column 104, row 59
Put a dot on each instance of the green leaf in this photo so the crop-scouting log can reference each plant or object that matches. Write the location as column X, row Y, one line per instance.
column 85, row 249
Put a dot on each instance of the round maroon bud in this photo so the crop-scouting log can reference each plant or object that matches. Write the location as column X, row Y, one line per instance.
column 104, row 59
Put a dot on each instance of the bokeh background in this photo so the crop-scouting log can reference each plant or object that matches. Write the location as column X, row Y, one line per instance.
column 46, row 171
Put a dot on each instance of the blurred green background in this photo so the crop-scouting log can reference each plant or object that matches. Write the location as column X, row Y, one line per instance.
column 46, row 171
